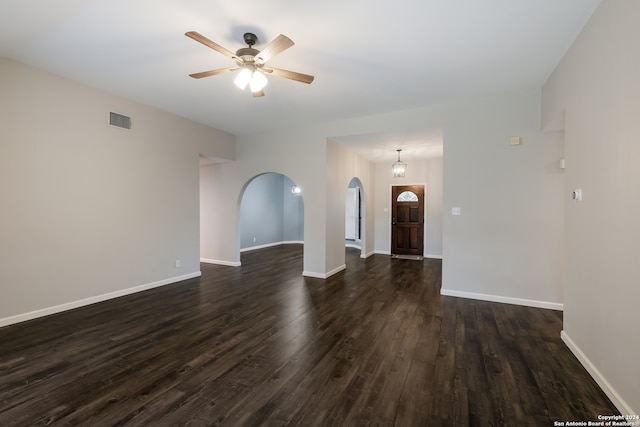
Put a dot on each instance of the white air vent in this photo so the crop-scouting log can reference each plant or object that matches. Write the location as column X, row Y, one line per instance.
column 119, row 120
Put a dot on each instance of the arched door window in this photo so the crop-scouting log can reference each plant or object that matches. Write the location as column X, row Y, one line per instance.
column 407, row 196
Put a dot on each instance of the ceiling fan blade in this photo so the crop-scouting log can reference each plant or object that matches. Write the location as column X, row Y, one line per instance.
column 258, row 94
column 299, row 77
column 215, row 46
column 212, row 72
column 276, row 46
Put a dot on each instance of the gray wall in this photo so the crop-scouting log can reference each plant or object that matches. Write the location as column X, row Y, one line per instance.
column 293, row 213
column 269, row 213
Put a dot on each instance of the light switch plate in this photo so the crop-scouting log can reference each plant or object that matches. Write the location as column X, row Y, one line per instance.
column 455, row 211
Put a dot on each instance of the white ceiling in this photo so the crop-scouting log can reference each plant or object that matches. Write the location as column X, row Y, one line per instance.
column 381, row 147
column 367, row 56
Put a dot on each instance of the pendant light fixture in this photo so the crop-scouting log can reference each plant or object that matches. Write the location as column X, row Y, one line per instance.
column 399, row 167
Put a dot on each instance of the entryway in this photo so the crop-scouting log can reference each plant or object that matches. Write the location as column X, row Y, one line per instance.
column 407, row 220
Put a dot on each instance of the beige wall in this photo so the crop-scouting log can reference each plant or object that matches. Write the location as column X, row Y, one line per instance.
column 507, row 243
column 90, row 211
column 299, row 154
column 343, row 164
column 596, row 86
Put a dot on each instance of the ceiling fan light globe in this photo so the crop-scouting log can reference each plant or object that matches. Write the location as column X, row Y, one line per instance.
column 243, row 78
column 258, row 81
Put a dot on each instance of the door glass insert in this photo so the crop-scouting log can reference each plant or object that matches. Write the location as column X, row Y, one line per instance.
column 407, row 196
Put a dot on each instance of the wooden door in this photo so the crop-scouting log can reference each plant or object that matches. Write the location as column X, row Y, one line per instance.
column 407, row 219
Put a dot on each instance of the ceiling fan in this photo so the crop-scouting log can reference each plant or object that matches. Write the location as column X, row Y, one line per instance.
column 251, row 62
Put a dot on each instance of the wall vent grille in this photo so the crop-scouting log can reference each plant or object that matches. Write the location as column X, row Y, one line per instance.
column 120, row 120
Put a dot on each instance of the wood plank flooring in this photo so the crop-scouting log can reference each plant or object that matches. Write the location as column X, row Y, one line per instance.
column 261, row 345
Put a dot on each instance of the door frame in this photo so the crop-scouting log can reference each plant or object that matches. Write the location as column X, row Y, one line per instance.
column 390, row 211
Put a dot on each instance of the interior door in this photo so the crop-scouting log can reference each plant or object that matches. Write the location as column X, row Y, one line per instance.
column 407, row 219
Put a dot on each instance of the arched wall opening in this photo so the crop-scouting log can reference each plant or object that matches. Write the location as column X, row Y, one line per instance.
column 270, row 212
column 355, row 216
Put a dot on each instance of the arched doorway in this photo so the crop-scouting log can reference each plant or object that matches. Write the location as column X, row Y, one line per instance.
column 355, row 218
column 270, row 212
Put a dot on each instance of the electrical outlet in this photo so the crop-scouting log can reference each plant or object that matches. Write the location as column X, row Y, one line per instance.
column 178, row 263
column 254, row 239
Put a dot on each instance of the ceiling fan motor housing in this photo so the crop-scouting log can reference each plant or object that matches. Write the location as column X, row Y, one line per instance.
column 248, row 53
column 250, row 39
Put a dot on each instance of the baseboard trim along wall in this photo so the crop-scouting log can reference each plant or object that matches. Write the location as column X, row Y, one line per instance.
column 616, row 399
column 506, row 300
column 219, row 262
column 92, row 300
column 324, row 275
column 431, row 256
column 268, row 245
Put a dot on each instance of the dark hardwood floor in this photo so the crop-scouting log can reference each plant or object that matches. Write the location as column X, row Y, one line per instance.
column 262, row 345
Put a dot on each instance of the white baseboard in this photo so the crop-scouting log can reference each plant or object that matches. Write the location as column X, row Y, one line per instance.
column 433, row 256
column 383, row 252
column 268, row 245
column 92, row 300
column 367, row 255
column 324, row 275
column 506, row 300
column 314, row 274
column 616, row 399
column 219, row 262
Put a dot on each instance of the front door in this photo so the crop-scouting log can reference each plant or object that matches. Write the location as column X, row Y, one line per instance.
column 407, row 219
